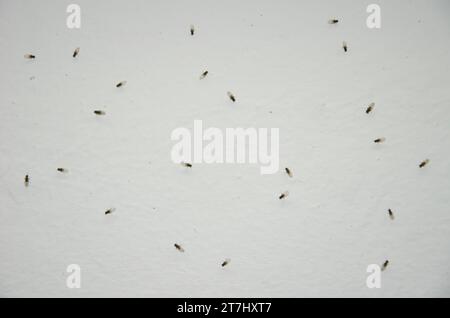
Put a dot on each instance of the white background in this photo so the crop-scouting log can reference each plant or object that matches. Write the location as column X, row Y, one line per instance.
column 286, row 66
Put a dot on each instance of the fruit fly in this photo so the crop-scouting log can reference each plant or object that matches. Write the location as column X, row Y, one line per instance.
column 344, row 46
column 379, row 140
column 333, row 21
column 283, row 195
column 231, row 96
column 391, row 214
column 370, row 108
column 192, row 30
column 62, row 170
column 29, row 56
column 99, row 112
column 109, row 211
column 121, row 84
column 75, row 53
column 289, row 172
column 385, row 265
column 226, row 262
column 27, row 180
column 178, row 247
column 424, row 163
column 204, row 74
column 186, row 164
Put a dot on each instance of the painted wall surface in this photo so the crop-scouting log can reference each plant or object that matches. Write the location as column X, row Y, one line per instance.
column 286, row 66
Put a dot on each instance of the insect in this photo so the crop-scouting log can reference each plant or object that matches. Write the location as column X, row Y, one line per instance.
column 192, row 30
column 75, row 53
column 62, row 170
column 379, row 140
column 231, row 96
column 333, row 21
column 109, row 211
column 204, row 74
column 29, row 56
column 391, row 214
column 370, row 108
column 283, row 195
column 344, row 46
column 27, row 180
column 178, row 247
column 289, row 172
column 385, row 265
column 121, row 84
column 226, row 262
column 186, row 164
column 99, row 112
column 424, row 163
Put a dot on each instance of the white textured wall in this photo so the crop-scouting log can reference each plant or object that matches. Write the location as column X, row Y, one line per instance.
column 286, row 66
